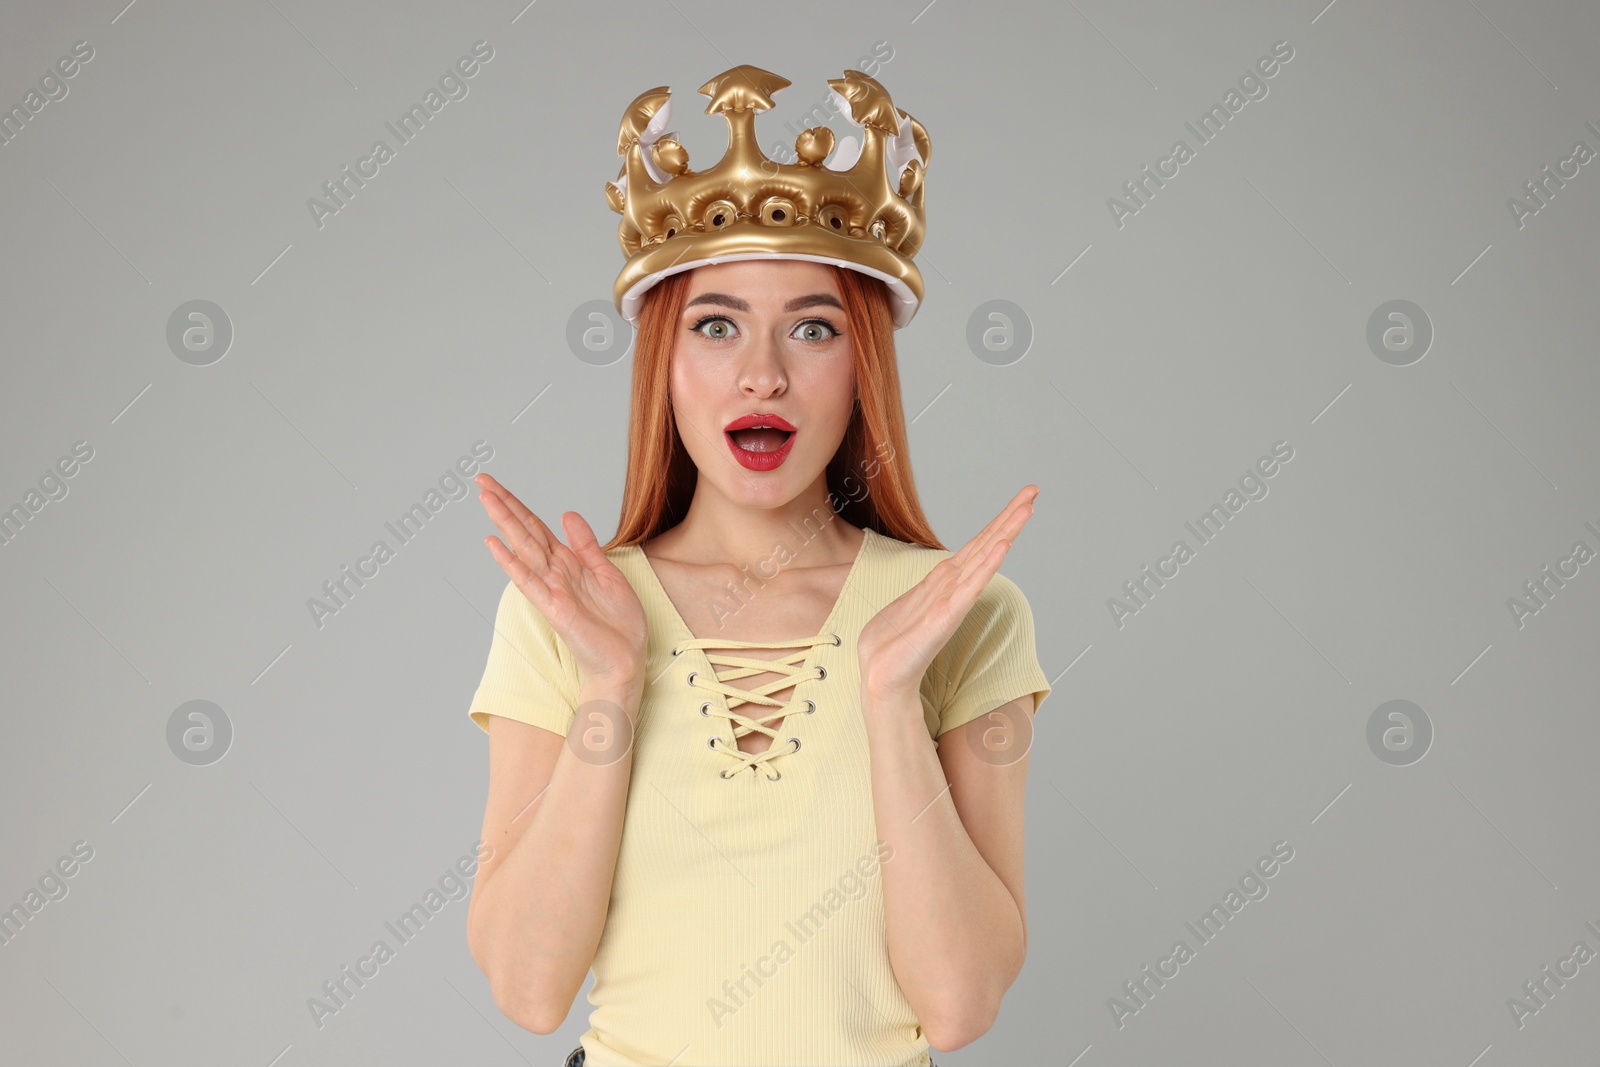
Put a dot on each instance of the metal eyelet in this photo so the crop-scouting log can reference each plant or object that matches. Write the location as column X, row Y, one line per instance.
column 836, row 641
column 811, row 705
column 822, row 672
column 703, row 708
column 796, row 747
column 692, row 675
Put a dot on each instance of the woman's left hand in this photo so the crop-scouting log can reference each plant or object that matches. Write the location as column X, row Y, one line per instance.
column 898, row 643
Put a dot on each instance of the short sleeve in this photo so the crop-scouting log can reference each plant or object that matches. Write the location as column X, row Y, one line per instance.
column 989, row 661
column 530, row 675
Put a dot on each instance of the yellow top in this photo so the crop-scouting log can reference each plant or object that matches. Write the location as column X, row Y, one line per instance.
column 746, row 921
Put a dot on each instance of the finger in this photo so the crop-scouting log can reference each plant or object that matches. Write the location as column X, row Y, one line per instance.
column 1000, row 526
column 1001, row 546
column 964, row 581
column 515, row 569
column 528, row 534
column 584, row 544
column 516, row 533
column 532, row 585
column 981, row 539
column 951, row 572
column 536, row 527
column 960, row 592
column 522, row 514
column 984, row 568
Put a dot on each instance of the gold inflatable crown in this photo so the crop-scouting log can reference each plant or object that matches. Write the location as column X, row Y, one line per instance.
column 844, row 211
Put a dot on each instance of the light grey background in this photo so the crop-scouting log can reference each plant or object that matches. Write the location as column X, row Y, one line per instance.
column 1229, row 313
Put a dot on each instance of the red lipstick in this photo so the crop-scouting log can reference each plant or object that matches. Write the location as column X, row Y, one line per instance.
column 766, row 454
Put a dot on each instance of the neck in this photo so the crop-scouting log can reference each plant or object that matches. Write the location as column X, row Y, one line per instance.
column 805, row 530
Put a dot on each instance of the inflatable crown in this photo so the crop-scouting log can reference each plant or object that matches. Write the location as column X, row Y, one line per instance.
column 862, row 209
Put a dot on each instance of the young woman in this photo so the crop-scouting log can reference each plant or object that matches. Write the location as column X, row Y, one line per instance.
column 760, row 760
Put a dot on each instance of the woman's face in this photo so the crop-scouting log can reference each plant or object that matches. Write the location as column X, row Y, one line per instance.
column 764, row 338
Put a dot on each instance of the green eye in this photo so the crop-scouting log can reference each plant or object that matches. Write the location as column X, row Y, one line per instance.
column 714, row 321
column 818, row 325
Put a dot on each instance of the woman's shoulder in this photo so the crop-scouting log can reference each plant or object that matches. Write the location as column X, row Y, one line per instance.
column 894, row 553
column 898, row 565
column 905, row 563
column 619, row 552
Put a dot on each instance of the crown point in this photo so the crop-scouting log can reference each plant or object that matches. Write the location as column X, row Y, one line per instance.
column 741, row 88
column 636, row 120
column 869, row 101
column 920, row 138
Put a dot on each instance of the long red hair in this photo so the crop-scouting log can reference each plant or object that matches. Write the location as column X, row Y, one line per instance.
column 869, row 478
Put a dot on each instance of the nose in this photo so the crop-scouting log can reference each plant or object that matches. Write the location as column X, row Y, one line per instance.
column 762, row 373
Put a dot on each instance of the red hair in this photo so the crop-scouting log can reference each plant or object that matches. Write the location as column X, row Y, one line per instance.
column 869, row 478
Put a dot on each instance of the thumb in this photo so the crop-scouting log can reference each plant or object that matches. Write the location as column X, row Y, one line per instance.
column 582, row 541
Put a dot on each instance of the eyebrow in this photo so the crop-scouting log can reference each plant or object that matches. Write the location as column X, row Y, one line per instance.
column 739, row 304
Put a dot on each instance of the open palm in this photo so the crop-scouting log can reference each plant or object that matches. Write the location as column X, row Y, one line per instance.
column 579, row 591
column 899, row 642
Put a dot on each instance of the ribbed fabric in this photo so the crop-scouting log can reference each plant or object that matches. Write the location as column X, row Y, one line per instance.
column 746, row 920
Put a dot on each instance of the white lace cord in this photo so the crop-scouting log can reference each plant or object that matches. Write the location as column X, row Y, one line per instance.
column 744, row 667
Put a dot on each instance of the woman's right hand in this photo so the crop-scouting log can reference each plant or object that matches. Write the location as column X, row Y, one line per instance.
column 580, row 593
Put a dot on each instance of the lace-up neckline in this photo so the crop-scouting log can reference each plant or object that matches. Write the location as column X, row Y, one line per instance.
column 791, row 672
column 793, row 669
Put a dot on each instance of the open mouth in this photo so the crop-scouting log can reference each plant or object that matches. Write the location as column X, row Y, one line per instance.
column 760, row 438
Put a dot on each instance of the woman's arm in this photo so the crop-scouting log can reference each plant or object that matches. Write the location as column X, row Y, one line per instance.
column 952, row 888
column 554, row 819
column 555, row 808
column 953, row 885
